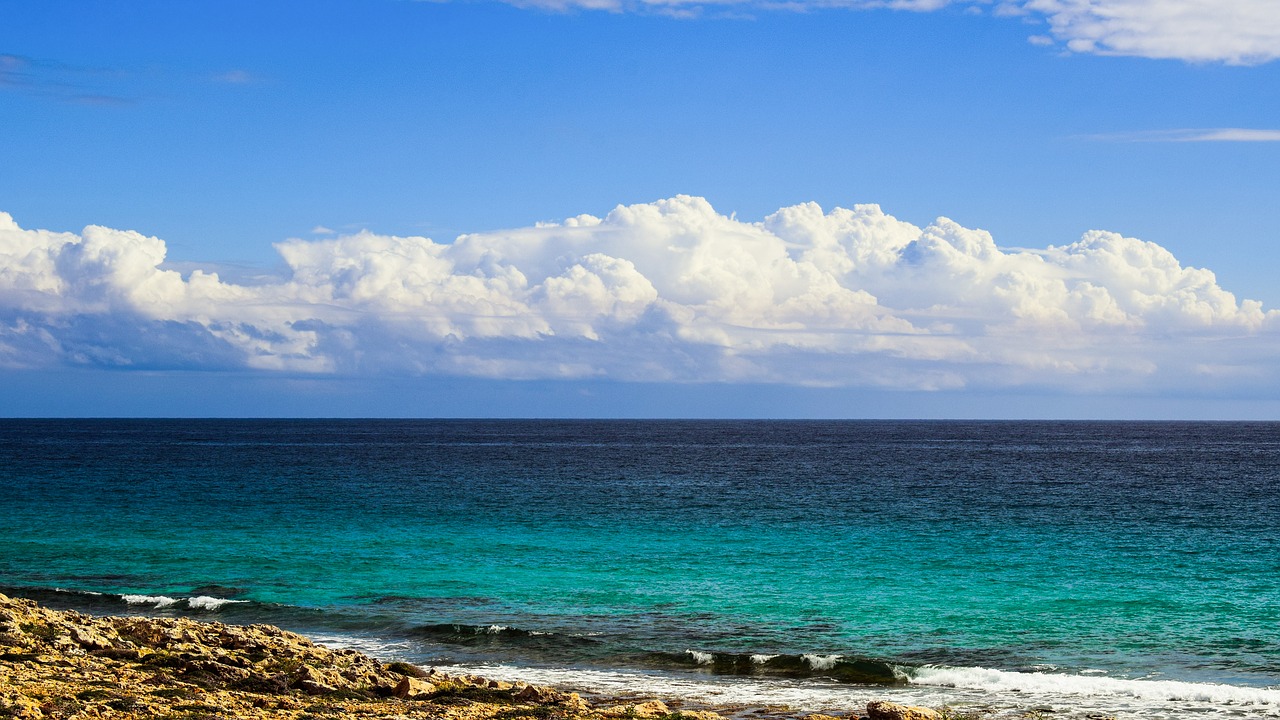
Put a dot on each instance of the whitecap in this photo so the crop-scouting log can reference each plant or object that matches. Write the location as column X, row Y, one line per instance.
column 205, row 602
column 821, row 662
column 702, row 658
column 153, row 600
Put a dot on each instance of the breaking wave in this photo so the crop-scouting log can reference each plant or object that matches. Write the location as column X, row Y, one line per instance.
column 1093, row 685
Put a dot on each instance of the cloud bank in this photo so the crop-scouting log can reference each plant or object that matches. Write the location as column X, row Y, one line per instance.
column 669, row 291
column 1237, row 32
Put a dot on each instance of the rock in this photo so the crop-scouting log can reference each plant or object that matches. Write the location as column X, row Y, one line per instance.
column 412, row 688
column 820, row 716
column 407, row 669
column 312, row 681
column 90, row 640
column 18, row 706
column 543, row 695
column 884, row 710
column 710, row 715
column 537, row 694
column 214, row 673
column 651, row 709
column 574, row 702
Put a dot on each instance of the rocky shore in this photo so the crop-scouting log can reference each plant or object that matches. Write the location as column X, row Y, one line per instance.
column 58, row 665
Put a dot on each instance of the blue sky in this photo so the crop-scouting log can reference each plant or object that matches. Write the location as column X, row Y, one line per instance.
column 291, row 148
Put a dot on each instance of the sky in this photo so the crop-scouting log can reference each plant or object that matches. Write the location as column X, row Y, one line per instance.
column 641, row 208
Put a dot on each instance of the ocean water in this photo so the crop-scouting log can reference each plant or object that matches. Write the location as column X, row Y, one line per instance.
column 1129, row 569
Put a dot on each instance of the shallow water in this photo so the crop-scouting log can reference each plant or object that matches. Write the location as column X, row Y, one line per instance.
column 1014, row 564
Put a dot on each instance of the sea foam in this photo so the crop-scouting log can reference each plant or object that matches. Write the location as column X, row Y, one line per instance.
column 702, row 658
column 821, row 662
column 158, row 601
column 1000, row 695
column 205, row 602
column 1092, row 685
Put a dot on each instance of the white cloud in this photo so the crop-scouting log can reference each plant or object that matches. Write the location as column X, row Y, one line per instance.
column 663, row 291
column 1237, row 32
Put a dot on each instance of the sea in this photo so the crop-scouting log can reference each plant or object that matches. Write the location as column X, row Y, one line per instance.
column 1013, row 569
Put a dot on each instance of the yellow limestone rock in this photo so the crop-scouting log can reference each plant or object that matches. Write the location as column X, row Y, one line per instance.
column 884, row 710
column 651, row 709
column 411, row 688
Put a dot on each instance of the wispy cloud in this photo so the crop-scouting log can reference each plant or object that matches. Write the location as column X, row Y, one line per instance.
column 1236, row 32
column 56, row 80
column 1192, row 135
column 235, row 77
column 13, row 69
column 669, row 291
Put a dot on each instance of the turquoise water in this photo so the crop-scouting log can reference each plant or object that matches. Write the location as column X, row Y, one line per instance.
column 1009, row 564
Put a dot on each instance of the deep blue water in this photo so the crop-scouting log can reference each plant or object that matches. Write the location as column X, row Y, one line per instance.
column 1127, row 551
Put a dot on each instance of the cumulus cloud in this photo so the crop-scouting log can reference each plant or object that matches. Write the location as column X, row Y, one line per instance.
column 1239, row 32
column 664, row 291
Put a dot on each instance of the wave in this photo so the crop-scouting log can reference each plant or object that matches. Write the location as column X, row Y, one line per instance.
column 1091, row 684
column 197, row 605
column 497, row 637
column 1060, row 696
column 840, row 668
column 199, row 602
column 155, row 601
column 205, row 602
column 813, row 681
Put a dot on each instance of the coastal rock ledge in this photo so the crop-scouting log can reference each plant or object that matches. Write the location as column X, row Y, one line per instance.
column 64, row 664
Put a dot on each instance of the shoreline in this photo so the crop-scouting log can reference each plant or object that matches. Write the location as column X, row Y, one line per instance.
column 63, row 664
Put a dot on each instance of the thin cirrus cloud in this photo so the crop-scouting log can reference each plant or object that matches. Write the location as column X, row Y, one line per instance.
column 1194, row 135
column 669, row 291
column 60, row 81
column 235, row 77
column 1236, row 32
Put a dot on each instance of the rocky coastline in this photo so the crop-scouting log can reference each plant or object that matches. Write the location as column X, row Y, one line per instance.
column 59, row 665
